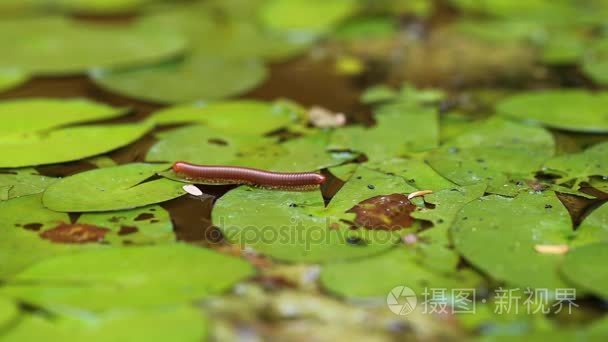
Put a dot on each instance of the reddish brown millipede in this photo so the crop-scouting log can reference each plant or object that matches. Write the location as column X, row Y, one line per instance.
column 245, row 175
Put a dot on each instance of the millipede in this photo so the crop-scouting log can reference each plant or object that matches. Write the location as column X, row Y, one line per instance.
column 245, row 175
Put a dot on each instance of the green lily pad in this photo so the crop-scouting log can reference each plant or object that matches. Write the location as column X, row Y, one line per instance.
column 498, row 236
column 21, row 243
column 573, row 110
column 38, row 114
column 135, row 277
column 111, row 188
column 146, row 225
column 595, row 64
column 399, row 129
column 306, row 16
column 10, row 78
column 376, row 276
column 585, row 267
column 183, row 323
column 496, row 152
column 8, row 312
column 580, row 166
column 434, row 249
column 416, row 172
column 367, row 28
column 66, row 144
column 23, row 182
column 203, row 145
column 594, row 228
column 239, row 116
column 101, row 7
column 197, row 77
column 60, row 47
column 297, row 227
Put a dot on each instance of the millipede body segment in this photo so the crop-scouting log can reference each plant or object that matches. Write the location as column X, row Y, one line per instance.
column 245, row 175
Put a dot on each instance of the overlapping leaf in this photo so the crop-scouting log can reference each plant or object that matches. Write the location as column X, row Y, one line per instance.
column 111, row 188
column 584, row 266
column 10, row 78
column 580, row 166
column 22, row 182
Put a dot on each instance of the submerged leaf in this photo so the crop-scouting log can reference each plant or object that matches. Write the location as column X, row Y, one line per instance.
column 111, row 188
column 135, row 277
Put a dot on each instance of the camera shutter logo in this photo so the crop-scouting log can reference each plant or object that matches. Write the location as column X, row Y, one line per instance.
column 401, row 300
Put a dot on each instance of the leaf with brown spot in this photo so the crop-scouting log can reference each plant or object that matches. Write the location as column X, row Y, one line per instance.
column 75, row 233
column 386, row 212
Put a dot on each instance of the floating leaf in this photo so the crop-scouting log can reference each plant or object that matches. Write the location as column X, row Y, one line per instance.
column 594, row 227
column 59, row 47
column 434, row 249
column 8, row 312
column 585, row 267
column 595, row 64
column 498, row 235
column 580, row 166
column 239, row 116
column 10, row 78
column 198, row 77
column 22, row 182
column 127, row 278
column 39, row 114
column 376, row 276
column 296, row 226
column 495, row 152
column 111, row 188
column 66, row 144
column 101, row 7
column 399, row 129
column 203, row 145
column 183, row 323
column 573, row 110
column 416, row 172
column 21, row 242
column 306, row 16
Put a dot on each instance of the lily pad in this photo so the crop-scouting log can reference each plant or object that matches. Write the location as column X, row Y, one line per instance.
column 8, row 312
column 61, row 47
column 23, row 182
column 239, row 116
column 572, row 110
column 33, row 233
column 399, row 129
column 306, row 16
column 127, row 278
column 595, row 64
column 101, row 7
column 594, row 228
column 197, row 77
column 203, row 145
column 498, row 235
column 183, row 323
column 10, row 78
column 38, row 114
column 580, row 166
column 111, row 188
column 416, row 172
column 496, row 152
column 66, row 144
column 376, row 276
column 297, row 227
column 584, row 266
